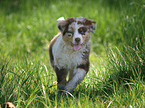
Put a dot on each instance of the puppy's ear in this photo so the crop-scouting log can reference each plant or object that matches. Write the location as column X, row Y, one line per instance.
column 92, row 24
column 63, row 25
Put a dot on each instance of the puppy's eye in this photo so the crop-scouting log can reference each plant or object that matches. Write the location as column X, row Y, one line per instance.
column 69, row 34
column 82, row 30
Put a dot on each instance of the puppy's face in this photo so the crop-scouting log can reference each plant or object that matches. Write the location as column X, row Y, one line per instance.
column 76, row 31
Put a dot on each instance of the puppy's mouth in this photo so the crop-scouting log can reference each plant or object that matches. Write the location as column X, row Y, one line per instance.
column 77, row 47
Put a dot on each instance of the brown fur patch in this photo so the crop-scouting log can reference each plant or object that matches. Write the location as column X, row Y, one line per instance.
column 63, row 26
column 61, row 77
column 90, row 23
column 86, row 38
column 86, row 22
column 68, row 40
column 85, row 63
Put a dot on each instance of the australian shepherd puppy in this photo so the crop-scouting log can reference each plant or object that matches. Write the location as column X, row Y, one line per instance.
column 69, row 51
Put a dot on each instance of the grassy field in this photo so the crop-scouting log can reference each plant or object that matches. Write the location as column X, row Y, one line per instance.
column 117, row 71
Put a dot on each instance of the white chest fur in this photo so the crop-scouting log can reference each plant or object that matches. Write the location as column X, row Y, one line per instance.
column 65, row 57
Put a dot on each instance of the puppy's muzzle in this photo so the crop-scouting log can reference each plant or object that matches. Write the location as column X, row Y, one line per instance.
column 77, row 44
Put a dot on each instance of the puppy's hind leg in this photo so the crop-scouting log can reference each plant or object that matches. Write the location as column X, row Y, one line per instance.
column 75, row 78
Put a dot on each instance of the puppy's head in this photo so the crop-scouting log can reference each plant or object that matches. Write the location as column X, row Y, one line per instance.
column 76, row 31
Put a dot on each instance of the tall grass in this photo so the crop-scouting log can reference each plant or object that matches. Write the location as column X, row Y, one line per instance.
column 133, row 25
column 117, row 70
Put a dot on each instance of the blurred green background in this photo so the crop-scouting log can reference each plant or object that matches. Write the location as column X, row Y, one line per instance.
column 27, row 26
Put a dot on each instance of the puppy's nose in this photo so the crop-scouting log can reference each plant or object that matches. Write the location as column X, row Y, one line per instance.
column 77, row 40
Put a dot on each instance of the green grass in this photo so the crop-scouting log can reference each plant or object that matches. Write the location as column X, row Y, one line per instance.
column 117, row 71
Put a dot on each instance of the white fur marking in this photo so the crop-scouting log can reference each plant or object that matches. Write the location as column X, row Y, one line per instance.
column 79, row 75
column 76, row 33
column 60, row 19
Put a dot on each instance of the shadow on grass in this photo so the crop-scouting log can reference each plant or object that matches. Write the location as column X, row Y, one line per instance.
column 23, row 6
column 15, row 6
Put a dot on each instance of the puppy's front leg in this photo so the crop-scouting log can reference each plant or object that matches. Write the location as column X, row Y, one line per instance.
column 61, row 78
column 75, row 78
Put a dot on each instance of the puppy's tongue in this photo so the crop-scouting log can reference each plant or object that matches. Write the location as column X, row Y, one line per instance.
column 77, row 47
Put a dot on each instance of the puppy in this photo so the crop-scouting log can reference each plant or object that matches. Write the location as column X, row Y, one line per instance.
column 69, row 51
